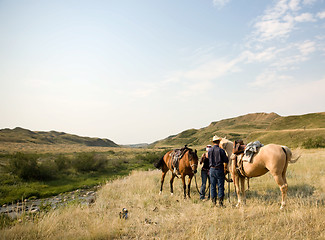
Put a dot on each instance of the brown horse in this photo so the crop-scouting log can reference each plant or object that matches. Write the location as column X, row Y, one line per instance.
column 187, row 166
column 271, row 158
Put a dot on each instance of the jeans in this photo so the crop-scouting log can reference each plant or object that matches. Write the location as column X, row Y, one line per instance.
column 217, row 177
column 204, row 177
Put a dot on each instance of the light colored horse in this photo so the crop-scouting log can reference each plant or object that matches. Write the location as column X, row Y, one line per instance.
column 271, row 158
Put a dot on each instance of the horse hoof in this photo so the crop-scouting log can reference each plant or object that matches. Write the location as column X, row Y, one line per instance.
column 171, row 194
column 160, row 192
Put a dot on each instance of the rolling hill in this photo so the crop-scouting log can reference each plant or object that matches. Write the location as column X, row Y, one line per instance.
column 21, row 135
column 292, row 131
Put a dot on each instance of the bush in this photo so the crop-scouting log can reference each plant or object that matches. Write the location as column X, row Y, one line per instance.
column 62, row 162
column 28, row 167
column 47, row 170
column 150, row 157
column 86, row 162
column 24, row 166
column 318, row 142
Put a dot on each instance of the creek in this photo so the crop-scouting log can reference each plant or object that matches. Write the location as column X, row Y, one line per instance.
column 82, row 196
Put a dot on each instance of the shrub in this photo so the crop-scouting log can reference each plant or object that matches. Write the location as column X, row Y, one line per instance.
column 24, row 166
column 318, row 142
column 150, row 157
column 47, row 170
column 86, row 162
column 62, row 162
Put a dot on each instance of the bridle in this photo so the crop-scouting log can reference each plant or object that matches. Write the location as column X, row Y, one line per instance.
column 190, row 159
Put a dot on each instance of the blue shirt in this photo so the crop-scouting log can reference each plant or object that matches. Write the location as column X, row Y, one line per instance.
column 217, row 156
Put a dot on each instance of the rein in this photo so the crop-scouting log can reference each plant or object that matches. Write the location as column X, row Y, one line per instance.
column 197, row 188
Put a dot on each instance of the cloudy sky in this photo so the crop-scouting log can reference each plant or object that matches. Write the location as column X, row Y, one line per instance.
column 139, row 71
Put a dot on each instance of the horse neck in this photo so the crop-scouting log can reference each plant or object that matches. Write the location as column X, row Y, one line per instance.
column 227, row 146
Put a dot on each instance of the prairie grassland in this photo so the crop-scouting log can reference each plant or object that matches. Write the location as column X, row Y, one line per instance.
column 9, row 147
column 153, row 216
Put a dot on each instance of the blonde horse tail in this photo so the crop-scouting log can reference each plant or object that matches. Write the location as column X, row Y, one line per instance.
column 289, row 155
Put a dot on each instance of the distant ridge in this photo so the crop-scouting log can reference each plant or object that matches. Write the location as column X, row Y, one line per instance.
column 21, row 135
column 266, row 127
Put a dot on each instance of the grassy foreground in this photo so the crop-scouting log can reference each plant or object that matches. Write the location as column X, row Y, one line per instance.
column 153, row 216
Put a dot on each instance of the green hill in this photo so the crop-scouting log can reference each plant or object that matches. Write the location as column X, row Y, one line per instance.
column 292, row 131
column 21, row 135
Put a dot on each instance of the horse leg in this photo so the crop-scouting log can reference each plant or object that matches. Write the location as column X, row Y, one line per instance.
column 189, row 186
column 184, row 185
column 242, row 189
column 283, row 188
column 163, row 175
column 171, row 184
column 236, row 183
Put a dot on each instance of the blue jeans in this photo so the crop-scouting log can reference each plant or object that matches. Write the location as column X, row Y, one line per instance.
column 217, row 177
column 204, row 177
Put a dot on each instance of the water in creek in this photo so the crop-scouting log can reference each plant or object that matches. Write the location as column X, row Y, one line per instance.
column 82, row 196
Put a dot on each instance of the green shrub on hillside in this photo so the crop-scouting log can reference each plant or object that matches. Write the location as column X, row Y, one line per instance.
column 28, row 167
column 62, row 162
column 150, row 157
column 24, row 166
column 89, row 161
column 318, row 142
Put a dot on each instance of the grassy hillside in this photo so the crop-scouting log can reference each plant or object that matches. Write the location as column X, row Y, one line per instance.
column 292, row 131
column 307, row 121
column 154, row 216
column 20, row 135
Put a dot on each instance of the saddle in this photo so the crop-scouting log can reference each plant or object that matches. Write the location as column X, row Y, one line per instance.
column 176, row 155
column 244, row 153
column 251, row 150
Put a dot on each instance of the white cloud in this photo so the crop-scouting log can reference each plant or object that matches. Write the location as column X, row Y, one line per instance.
column 307, row 47
column 261, row 56
column 220, row 3
column 308, row 2
column 268, row 79
column 280, row 20
column 305, row 17
column 293, row 54
column 321, row 15
column 294, row 5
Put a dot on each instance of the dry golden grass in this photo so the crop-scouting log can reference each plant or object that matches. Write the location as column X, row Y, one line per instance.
column 153, row 216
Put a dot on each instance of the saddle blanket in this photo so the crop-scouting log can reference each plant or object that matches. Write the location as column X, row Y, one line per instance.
column 251, row 149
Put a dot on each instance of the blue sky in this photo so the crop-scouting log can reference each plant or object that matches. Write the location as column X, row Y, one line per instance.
column 139, row 71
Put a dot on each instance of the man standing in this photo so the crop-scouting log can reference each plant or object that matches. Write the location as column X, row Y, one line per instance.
column 205, row 172
column 218, row 162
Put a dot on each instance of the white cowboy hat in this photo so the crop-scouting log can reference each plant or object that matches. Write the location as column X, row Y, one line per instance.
column 216, row 138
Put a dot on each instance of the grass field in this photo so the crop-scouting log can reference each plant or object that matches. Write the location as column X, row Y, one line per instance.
column 59, row 169
column 153, row 216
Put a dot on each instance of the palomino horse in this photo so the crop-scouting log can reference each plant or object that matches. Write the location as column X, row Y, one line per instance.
column 187, row 166
column 271, row 157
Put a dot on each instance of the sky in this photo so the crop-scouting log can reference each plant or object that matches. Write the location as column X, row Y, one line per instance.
column 140, row 71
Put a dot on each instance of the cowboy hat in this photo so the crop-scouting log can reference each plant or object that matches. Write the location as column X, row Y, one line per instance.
column 216, row 138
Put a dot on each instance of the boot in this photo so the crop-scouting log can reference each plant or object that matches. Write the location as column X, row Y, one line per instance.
column 221, row 202
column 214, row 201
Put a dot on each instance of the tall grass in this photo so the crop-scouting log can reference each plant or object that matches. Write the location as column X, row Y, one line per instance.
column 153, row 216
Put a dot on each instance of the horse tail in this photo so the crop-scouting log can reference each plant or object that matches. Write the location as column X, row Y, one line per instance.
column 288, row 153
column 158, row 164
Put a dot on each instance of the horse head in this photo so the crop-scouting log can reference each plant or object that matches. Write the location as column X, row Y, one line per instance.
column 193, row 160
